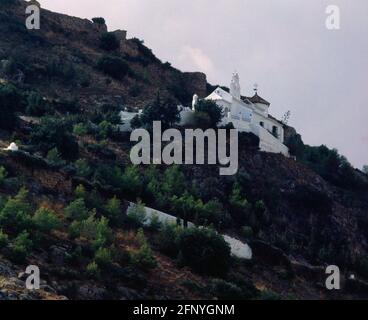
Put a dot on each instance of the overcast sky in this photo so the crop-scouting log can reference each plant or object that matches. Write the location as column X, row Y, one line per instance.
column 282, row 45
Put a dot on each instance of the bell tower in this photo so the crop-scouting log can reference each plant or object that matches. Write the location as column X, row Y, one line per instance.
column 235, row 86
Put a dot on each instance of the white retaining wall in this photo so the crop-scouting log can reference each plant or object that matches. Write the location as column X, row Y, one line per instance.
column 238, row 249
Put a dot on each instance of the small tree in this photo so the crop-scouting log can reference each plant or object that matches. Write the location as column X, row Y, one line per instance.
column 16, row 214
column 21, row 247
column 3, row 239
column 103, row 257
column 54, row 157
column 80, row 129
column 77, row 210
column 36, row 105
column 83, row 168
column 143, row 258
column 2, row 175
column 166, row 112
column 93, row 270
column 113, row 66
column 214, row 111
column 113, row 208
column 137, row 215
column 45, row 220
column 80, row 192
column 239, row 206
column 205, row 251
column 55, row 133
column 106, row 129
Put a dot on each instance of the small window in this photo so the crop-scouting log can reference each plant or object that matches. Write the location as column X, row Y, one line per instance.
column 275, row 131
column 261, row 124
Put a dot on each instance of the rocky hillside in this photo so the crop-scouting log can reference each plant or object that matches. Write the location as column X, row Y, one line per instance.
column 64, row 194
column 60, row 60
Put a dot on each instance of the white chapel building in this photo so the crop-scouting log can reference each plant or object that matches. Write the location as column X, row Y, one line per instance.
column 245, row 113
column 250, row 115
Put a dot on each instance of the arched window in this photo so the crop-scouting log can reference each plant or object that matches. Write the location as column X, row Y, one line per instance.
column 275, row 131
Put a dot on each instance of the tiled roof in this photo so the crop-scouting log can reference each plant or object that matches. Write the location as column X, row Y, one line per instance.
column 257, row 99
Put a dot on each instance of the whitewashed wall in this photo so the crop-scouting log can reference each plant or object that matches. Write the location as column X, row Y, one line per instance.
column 238, row 249
column 268, row 143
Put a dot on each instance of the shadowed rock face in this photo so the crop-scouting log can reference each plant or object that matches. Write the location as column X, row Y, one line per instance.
column 74, row 44
column 196, row 82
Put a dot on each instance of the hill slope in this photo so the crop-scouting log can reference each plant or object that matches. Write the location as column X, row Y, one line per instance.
column 298, row 216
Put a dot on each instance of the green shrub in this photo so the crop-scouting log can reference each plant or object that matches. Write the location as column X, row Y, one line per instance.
column 105, row 129
column 115, row 67
column 16, row 214
column 21, row 247
column 136, row 215
column 155, row 223
column 80, row 192
column 108, row 41
column 80, row 129
column 3, row 239
column 131, row 182
column 93, row 270
column 54, row 158
column 109, row 176
column 143, row 258
column 225, row 290
column 214, row 213
column 239, row 206
column 212, row 110
column 186, row 207
column 165, row 111
column 3, row 200
column 103, row 257
column 83, row 168
column 2, row 175
column 96, row 231
column 45, row 220
column 77, row 210
column 205, row 251
column 167, row 239
column 200, row 120
column 36, row 105
column 113, row 209
column 94, row 200
column 55, row 133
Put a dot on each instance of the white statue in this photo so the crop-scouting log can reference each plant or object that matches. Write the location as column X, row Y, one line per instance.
column 195, row 102
column 235, row 86
column 12, row 147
